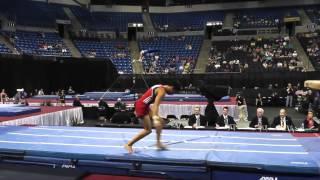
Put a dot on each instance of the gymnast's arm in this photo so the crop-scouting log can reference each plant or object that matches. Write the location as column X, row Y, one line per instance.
column 155, row 108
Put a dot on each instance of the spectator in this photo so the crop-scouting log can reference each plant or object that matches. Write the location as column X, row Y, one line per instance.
column 119, row 105
column 62, row 98
column 17, row 96
column 259, row 121
column 40, row 92
column 3, row 96
column 77, row 102
column 104, row 109
column 290, row 94
column 71, row 91
column 259, row 100
column 241, row 106
column 256, row 55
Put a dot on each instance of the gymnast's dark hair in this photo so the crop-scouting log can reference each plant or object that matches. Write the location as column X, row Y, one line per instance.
column 175, row 84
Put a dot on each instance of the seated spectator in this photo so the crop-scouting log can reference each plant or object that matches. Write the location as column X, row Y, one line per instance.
column 103, row 104
column 259, row 121
column 70, row 91
column 224, row 119
column 196, row 119
column 255, row 55
column 282, row 121
column 40, row 92
column 104, row 110
column 18, row 96
column 77, row 102
column 309, row 122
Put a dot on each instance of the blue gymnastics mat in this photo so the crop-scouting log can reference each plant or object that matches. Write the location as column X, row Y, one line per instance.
column 190, row 154
column 17, row 110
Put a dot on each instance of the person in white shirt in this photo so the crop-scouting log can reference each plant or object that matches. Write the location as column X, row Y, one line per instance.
column 41, row 92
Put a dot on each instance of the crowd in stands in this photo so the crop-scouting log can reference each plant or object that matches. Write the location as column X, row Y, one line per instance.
column 38, row 43
column 255, row 55
column 310, row 42
column 175, row 55
column 244, row 20
column 313, row 13
column 262, row 18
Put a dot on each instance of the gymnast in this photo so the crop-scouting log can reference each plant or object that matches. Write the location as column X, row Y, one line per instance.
column 153, row 95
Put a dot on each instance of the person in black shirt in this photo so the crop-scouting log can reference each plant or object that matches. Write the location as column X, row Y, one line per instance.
column 224, row 119
column 259, row 121
column 77, row 102
column 282, row 121
column 196, row 119
column 259, row 100
column 104, row 109
column 241, row 106
column 119, row 105
column 240, row 100
column 62, row 98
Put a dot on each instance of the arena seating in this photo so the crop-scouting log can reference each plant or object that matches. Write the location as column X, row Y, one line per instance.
column 310, row 43
column 111, row 21
column 4, row 49
column 83, row 15
column 222, row 59
column 40, row 44
column 30, row 13
column 314, row 14
column 116, row 50
column 261, row 18
column 255, row 55
column 185, row 21
column 176, row 54
column 107, row 21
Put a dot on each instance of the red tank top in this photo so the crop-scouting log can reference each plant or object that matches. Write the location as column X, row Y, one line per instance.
column 149, row 96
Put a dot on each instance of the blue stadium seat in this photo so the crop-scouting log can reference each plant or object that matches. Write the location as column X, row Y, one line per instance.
column 116, row 50
column 185, row 21
column 169, row 49
column 41, row 44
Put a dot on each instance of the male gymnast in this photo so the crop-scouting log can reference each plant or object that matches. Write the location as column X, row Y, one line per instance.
column 150, row 115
